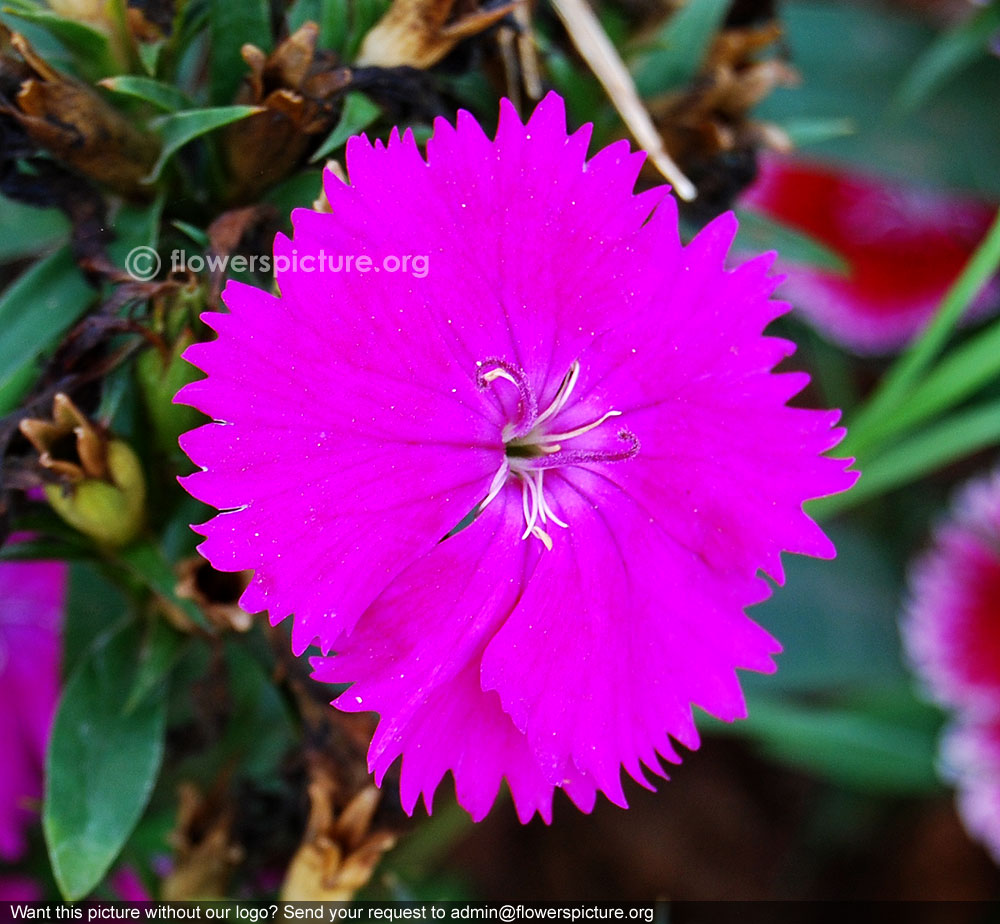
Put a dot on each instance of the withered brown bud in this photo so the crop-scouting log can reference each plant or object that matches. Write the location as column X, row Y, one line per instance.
column 78, row 127
column 216, row 593
column 205, row 851
column 339, row 853
column 99, row 487
column 298, row 89
column 419, row 33
column 707, row 128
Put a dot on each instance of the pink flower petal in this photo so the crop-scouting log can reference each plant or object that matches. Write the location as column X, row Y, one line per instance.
column 426, row 686
column 904, row 246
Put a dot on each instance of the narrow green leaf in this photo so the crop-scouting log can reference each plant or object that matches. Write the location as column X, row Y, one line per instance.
column 26, row 230
column 89, row 47
column 299, row 190
column 846, row 745
column 34, row 313
column 101, row 764
column 918, row 455
column 961, row 373
column 804, row 131
column 178, row 128
column 43, row 550
column 760, row 234
column 334, row 24
column 149, row 55
column 364, row 15
column 231, row 26
column 147, row 564
column 680, row 47
column 164, row 96
column 949, row 54
column 196, row 234
column 863, row 431
column 358, row 113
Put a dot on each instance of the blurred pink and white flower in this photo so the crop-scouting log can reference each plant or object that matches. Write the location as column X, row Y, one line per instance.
column 903, row 244
column 952, row 627
column 951, row 631
column 598, row 400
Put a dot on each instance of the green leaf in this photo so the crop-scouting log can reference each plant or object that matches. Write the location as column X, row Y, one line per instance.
column 90, row 48
column 364, row 15
column 903, row 376
column 925, row 452
column 35, row 312
column 93, row 602
column 961, row 373
column 259, row 731
column 101, row 764
column 334, row 24
column 358, row 113
column 149, row 55
column 231, row 26
column 26, row 230
column 147, row 564
column 836, row 620
column 847, row 744
column 196, row 234
column 760, row 234
column 680, row 47
column 160, row 651
column 299, row 190
column 941, row 144
column 950, row 53
column 178, row 128
column 804, row 131
column 164, row 96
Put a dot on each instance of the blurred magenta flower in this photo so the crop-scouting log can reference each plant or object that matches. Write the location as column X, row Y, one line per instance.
column 597, row 398
column 952, row 635
column 903, row 244
column 970, row 757
column 33, row 595
column 952, row 629
column 20, row 889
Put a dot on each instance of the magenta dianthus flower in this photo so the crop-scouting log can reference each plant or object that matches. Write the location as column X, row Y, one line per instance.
column 599, row 397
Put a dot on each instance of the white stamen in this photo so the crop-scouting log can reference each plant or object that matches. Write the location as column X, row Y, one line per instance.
column 579, row 431
column 499, row 373
column 530, row 516
column 562, row 396
column 496, row 486
column 540, row 533
column 544, row 509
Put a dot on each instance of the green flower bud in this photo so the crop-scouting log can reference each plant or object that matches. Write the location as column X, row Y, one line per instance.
column 100, row 488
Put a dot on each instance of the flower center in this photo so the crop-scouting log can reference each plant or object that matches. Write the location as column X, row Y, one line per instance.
column 532, row 448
